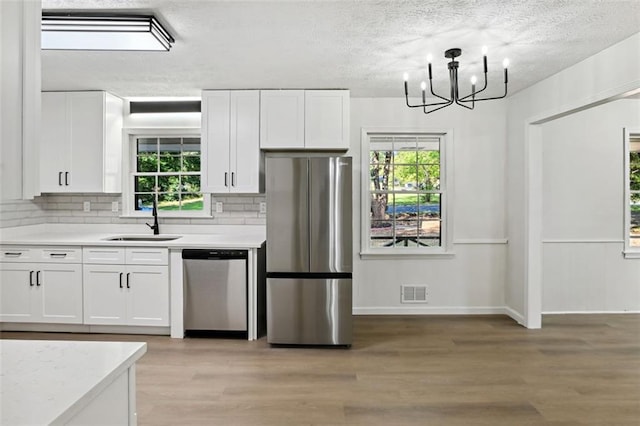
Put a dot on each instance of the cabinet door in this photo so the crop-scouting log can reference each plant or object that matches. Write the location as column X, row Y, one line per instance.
column 147, row 295
column 60, row 288
column 216, row 176
column 245, row 141
column 86, row 114
column 282, row 119
column 104, row 294
column 17, row 292
column 55, row 147
column 326, row 119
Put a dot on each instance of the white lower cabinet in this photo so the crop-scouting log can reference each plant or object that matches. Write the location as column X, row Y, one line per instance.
column 40, row 292
column 33, row 292
column 124, row 294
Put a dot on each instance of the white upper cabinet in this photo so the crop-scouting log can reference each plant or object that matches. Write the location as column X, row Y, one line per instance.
column 326, row 124
column 304, row 119
column 282, row 119
column 231, row 141
column 81, row 149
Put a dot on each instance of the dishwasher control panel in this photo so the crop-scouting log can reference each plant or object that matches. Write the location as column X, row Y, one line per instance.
column 214, row 254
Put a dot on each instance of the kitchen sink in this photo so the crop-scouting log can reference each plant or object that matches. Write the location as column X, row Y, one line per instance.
column 143, row 238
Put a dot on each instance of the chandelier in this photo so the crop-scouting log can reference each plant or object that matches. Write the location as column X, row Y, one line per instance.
column 467, row 101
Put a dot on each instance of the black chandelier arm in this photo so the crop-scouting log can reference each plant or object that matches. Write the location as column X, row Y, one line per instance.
column 458, row 102
column 487, row 99
column 434, row 93
column 463, row 99
column 446, row 104
column 449, row 102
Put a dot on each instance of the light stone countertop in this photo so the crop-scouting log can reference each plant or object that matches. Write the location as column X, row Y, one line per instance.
column 48, row 382
column 233, row 237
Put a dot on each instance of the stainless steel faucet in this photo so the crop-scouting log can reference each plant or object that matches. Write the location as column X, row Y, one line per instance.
column 155, row 226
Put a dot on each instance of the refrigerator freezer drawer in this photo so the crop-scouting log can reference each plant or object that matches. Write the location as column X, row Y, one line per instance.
column 309, row 311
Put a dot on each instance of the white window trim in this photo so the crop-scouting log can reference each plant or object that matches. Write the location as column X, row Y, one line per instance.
column 629, row 252
column 128, row 210
column 446, row 151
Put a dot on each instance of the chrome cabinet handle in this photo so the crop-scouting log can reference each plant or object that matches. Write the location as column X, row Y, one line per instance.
column 38, row 279
column 30, row 278
column 13, row 254
column 233, row 179
column 121, row 279
column 66, row 178
column 60, row 179
column 61, row 255
column 128, row 280
column 225, row 179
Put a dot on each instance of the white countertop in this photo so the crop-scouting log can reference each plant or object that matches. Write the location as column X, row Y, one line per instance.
column 46, row 382
column 234, row 237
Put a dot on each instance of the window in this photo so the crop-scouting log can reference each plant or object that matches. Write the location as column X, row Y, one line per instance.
column 632, row 216
column 167, row 168
column 405, row 192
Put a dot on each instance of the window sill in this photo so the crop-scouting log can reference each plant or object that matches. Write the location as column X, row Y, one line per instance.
column 406, row 254
column 631, row 254
column 149, row 217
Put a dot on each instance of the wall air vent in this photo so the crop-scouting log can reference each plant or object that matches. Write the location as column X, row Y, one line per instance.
column 413, row 294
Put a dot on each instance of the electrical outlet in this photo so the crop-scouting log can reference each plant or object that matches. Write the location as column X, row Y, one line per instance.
column 263, row 207
column 86, row 206
column 219, row 207
column 114, row 206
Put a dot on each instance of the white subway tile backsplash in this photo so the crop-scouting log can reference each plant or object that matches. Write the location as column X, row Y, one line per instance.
column 239, row 209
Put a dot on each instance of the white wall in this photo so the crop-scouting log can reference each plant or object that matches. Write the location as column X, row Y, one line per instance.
column 583, row 212
column 609, row 73
column 472, row 281
column 19, row 98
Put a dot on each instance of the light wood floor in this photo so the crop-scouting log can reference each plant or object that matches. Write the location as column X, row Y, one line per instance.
column 435, row 370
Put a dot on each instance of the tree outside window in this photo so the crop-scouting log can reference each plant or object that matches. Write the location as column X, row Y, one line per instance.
column 168, row 169
column 634, row 191
column 405, row 191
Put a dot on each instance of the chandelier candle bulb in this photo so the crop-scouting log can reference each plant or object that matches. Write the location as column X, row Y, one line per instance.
column 505, row 64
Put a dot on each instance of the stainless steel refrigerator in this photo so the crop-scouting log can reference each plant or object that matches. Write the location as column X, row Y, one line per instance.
column 309, row 250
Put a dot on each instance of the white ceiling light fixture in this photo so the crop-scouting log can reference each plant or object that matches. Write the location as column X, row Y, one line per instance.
column 454, row 95
column 88, row 31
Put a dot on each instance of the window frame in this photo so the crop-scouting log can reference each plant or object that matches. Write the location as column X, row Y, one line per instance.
column 129, row 167
column 446, row 188
column 629, row 252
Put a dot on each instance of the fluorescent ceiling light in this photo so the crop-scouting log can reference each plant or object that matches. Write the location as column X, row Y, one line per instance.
column 84, row 31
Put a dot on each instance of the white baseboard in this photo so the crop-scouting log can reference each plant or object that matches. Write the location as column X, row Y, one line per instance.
column 515, row 315
column 590, row 312
column 81, row 328
column 430, row 310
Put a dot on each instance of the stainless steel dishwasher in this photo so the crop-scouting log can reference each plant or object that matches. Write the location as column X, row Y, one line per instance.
column 215, row 290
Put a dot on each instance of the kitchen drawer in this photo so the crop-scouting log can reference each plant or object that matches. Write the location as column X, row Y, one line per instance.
column 41, row 254
column 18, row 254
column 103, row 255
column 60, row 255
column 146, row 256
column 126, row 255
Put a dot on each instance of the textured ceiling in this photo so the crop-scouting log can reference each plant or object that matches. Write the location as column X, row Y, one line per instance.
column 364, row 46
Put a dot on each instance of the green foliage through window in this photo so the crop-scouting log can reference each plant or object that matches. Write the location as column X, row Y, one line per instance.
column 168, row 169
column 634, row 191
column 405, row 191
